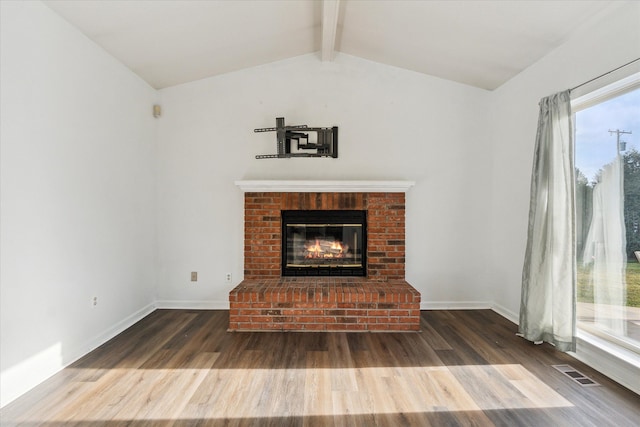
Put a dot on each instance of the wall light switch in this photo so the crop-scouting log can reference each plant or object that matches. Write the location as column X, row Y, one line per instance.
column 194, row 276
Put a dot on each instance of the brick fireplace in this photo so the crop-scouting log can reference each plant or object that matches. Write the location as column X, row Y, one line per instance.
column 381, row 301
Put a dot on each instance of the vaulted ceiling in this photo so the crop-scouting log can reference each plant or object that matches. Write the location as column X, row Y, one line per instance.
column 479, row 43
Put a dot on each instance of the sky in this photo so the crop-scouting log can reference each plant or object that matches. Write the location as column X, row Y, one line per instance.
column 595, row 145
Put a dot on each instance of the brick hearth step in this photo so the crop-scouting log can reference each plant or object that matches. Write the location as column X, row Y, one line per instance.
column 324, row 304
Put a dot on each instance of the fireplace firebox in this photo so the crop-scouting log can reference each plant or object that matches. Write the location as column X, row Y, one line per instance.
column 324, row 243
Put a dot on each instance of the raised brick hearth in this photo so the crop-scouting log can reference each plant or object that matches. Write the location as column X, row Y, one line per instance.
column 381, row 301
column 321, row 304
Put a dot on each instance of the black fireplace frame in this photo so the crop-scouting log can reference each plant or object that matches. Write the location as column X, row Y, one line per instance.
column 324, row 217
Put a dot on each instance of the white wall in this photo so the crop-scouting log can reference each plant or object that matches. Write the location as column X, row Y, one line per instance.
column 393, row 124
column 77, row 195
column 608, row 41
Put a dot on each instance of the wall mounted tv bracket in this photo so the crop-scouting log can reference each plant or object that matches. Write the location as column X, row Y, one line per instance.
column 326, row 144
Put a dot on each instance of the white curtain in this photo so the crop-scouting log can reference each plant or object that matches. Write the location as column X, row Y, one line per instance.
column 548, row 304
column 605, row 251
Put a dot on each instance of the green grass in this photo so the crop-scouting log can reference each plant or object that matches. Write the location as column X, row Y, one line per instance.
column 585, row 290
column 633, row 285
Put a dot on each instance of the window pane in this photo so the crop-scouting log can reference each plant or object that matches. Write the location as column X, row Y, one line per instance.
column 608, row 218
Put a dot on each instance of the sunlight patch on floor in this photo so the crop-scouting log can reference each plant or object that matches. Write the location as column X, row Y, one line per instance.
column 148, row 394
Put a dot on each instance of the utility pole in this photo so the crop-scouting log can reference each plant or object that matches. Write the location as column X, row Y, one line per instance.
column 622, row 145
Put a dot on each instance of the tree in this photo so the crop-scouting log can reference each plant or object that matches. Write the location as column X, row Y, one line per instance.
column 584, row 202
column 631, row 162
column 631, row 189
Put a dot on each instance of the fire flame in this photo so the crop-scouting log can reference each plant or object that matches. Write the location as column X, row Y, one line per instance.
column 324, row 249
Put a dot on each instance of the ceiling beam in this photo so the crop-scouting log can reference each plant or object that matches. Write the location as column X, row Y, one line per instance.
column 330, row 10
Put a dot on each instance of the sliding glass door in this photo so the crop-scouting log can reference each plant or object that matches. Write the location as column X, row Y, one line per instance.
column 607, row 126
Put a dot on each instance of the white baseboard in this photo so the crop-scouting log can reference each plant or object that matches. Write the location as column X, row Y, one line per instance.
column 112, row 332
column 24, row 376
column 455, row 305
column 193, row 305
column 506, row 313
column 471, row 305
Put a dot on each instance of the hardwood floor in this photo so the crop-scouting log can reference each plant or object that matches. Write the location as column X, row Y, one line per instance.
column 182, row 368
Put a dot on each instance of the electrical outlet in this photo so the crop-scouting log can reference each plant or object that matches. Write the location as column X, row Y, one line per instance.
column 194, row 276
column 94, row 302
column 228, row 277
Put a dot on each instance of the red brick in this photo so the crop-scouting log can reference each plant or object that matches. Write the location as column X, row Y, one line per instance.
column 261, row 305
column 387, row 320
column 261, row 319
column 305, row 305
column 404, row 327
column 240, row 305
column 270, row 326
column 249, row 311
column 378, row 327
column 408, row 305
column 315, row 326
column 399, row 313
column 346, row 305
column 346, row 320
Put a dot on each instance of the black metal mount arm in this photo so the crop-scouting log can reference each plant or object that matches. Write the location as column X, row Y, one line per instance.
column 326, row 144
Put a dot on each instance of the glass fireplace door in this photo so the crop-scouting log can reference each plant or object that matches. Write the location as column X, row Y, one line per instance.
column 324, row 243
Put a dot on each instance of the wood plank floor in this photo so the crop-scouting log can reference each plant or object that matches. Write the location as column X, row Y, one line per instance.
column 182, row 368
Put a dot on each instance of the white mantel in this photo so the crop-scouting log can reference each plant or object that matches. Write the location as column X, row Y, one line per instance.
column 299, row 186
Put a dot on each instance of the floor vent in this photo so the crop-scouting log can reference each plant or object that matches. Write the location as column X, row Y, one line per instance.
column 576, row 375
